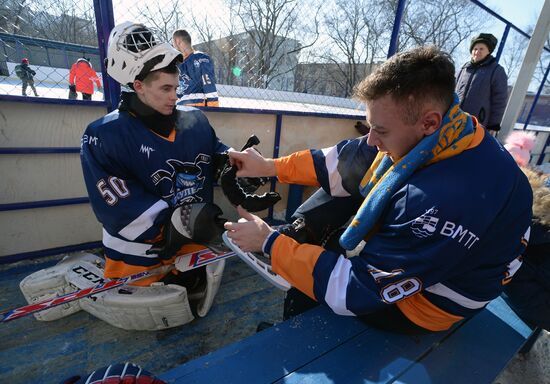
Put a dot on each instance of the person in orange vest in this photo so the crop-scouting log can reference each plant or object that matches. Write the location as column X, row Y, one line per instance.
column 81, row 79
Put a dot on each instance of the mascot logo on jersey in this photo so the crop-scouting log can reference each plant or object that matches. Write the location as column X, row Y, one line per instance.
column 185, row 81
column 183, row 181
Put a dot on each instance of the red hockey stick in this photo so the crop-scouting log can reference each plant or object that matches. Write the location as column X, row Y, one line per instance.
column 184, row 263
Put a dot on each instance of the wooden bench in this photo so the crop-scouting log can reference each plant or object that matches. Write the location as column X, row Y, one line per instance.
column 321, row 347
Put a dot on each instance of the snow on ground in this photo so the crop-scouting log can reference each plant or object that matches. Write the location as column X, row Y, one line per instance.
column 60, row 90
column 10, row 86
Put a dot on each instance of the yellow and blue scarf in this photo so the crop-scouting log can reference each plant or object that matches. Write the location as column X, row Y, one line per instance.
column 384, row 177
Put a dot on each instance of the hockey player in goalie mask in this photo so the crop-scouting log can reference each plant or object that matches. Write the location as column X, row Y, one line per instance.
column 131, row 160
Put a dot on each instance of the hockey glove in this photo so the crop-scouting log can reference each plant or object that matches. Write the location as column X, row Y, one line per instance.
column 251, row 184
column 220, row 164
column 197, row 223
column 237, row 196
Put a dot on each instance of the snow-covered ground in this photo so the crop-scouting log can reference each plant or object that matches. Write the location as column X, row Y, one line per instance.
column 53, row 83
column 10, row 86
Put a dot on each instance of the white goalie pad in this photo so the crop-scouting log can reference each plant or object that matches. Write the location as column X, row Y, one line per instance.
column 214, row 274
column 131, row 307
column 150, row 308
column 50, row 283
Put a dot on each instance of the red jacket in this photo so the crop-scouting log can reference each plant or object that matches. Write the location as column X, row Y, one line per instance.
column 82, row 75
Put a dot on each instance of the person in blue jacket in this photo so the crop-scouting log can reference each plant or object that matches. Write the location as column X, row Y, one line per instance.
column 482, row 84
column 147, row 159
column 197, row 79
column 445, row 214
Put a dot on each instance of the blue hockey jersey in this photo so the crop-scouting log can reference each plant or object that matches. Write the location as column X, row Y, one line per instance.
column 134, row 178
column 446, row 244
column 197, row 81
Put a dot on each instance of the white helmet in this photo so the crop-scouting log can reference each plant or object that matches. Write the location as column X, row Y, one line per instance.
column 133, row 50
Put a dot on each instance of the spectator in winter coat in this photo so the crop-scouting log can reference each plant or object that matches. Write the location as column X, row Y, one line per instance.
column 26, row 74
column 82, row 77
column 482, row 84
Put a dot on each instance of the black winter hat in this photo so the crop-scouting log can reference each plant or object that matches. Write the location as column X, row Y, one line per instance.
column 486, row 38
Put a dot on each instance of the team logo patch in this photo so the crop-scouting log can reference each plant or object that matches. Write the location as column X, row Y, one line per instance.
column 185, row 179
column 185, row 81
column 146, row 150
column 425, row 225
column 429, row 224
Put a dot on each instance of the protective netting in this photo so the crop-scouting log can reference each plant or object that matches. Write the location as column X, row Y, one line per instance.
column 269, row 54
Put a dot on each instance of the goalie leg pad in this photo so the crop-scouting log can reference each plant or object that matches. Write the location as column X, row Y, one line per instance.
column 51, row 282
column 141, row 308
column 214, row 274
column 131, row 307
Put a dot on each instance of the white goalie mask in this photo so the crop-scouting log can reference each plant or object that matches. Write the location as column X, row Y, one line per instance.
column 134, row 50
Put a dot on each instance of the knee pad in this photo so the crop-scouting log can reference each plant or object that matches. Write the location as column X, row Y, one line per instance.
column 51, row 282
column 214, row 274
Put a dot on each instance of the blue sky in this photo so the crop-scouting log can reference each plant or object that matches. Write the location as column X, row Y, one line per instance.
column 521, row 13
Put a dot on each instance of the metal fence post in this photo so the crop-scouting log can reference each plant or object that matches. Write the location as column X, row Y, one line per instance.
column 396, row 25
column 502, row 42
column 105, row 22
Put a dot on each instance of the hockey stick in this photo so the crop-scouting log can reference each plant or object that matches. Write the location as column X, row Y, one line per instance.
column 258, row 265
column 183, row 263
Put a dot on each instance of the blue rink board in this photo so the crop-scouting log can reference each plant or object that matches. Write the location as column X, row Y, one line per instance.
column 321, row 347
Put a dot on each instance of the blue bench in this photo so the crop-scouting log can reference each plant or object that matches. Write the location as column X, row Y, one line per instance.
column 321, row 347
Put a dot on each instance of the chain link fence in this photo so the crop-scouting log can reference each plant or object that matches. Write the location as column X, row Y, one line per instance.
column 268, row 54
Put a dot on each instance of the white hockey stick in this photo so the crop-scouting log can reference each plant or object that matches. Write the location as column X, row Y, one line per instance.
column 183, row 263
column 258, row 265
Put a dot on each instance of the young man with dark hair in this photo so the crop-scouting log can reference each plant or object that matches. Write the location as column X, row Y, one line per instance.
column 197, row 79
column 148, row 162
column 445, row 212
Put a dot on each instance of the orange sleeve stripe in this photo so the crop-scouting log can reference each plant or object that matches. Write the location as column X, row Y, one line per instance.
column 422, row 312
column 297, row 168
column 295, row 262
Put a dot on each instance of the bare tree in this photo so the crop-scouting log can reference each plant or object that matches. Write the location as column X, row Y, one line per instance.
column 444, row 23
column 219, row 40
column 165, row 18
column 12, row 15
column 512, row 55
column 355, row 28
column 276, row 30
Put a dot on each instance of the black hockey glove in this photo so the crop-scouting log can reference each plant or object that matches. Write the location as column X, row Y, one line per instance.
column 248, row 184
column 251, row 184
column 237, row 196
column 198, row 223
